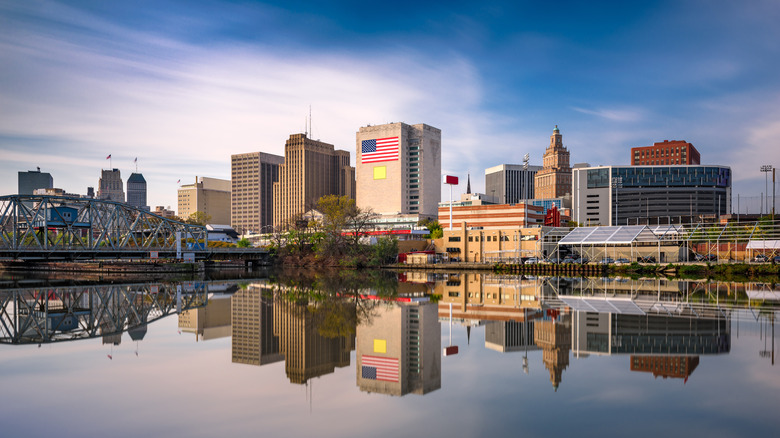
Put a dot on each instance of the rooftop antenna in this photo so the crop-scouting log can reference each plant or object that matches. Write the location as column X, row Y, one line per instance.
column 310, row 133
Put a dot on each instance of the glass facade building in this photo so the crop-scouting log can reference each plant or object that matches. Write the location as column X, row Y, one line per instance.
column 626, row 195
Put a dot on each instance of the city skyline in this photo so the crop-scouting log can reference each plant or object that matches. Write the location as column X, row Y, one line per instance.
column 184, row 88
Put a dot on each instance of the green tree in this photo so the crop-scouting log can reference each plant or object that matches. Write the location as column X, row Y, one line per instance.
column 198, row 218
column 244, row 243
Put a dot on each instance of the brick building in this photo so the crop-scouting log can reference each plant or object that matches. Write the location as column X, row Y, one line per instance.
column 665, row 153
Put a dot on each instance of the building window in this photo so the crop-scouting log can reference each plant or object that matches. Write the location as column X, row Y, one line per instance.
column 454, row 239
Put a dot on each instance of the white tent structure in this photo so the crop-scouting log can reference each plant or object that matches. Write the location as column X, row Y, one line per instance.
column 625, row 241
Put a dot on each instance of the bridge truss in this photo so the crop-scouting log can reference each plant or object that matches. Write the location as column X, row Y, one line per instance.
column 30, row 223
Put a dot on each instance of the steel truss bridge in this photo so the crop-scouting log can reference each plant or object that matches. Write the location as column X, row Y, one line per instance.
column 63, row 227
column 46, row 315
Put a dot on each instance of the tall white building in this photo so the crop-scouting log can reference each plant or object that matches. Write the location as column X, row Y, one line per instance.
column 398, row 169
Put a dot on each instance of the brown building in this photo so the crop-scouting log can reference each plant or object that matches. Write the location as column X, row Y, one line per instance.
column 489, row 297
column 491, row 215
column 554, row 180
column 665, row 153
column 676, row 367
column 311, row 170
column 253, row 340
column 210, row 196
column 554, row 338
column 509, row 244
column 252, row 196
column 307, row 353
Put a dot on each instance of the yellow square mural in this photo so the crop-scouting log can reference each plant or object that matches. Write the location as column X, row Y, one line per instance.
column 380, row 346
column 380, row 172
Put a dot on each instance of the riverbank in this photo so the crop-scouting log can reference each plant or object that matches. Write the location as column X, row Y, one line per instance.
column 767, row 271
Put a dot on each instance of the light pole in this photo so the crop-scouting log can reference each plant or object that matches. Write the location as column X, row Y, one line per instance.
column 766, row 169
column 617, row 183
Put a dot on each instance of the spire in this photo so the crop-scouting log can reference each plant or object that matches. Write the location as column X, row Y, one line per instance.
column 468, row 183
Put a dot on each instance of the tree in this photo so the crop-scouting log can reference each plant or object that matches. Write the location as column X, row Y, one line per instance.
column 434, row 228
column 198, row 218
column 343, row 222
column 244, row 243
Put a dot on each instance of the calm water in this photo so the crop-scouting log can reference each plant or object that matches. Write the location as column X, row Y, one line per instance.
column 362, row 354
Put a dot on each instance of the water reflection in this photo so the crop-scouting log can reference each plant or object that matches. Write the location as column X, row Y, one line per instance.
column 45, row 315
column 313, row 321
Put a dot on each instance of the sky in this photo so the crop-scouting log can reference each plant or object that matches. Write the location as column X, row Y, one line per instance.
column 182, row 85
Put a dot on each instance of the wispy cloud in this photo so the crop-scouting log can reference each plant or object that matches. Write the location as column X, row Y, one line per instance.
column 615, row 115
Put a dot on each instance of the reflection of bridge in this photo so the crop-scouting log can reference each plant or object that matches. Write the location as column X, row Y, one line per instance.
column 70, row 228
column 42, row 315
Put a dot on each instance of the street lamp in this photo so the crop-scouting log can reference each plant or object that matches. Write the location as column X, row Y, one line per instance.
column 766, row 169
column 617, row 183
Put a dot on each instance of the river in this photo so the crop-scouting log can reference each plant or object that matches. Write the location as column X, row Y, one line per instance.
column 383, row 354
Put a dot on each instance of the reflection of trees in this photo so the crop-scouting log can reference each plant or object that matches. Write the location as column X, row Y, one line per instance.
column 337, row 300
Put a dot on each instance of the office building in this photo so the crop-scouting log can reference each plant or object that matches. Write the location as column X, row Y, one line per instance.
column 31, row 180
column 207, row 195
column 307, row 352
column 208, row 322
column 110, row 186
column 554, row 179
column 510, row 183
column 398, row 351
column 252, row 194
column 665, row 153
column 510, row 336
column 626, row 195
column 253, row 340
column 164, row 212
column 311, row 170
column 399, row 169
column 136, row 191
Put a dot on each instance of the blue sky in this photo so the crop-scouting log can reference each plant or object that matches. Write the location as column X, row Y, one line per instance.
column 183, row 85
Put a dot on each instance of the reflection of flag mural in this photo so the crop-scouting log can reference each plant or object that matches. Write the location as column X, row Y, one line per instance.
column 380, row 368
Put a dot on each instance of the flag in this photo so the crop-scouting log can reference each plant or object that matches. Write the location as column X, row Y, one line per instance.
column 381, row 149
column 136, row 160
column 108, row 157
column 380, row 368
column 179, row 181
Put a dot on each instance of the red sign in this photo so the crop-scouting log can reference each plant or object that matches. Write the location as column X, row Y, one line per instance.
column 449, row 179
column 449, row 351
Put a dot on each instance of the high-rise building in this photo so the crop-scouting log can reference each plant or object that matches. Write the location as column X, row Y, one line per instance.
column 630, row 195
column 510, row 183
column 110, row 186
column 207, row 195
column 311, row 170
column 252, row 196
column 253, row 340
column 34, row 179
column 399, row 169
column 398, row 350
column 554, row 179
column 665, row 153
column 136, row 191
column 307, row 352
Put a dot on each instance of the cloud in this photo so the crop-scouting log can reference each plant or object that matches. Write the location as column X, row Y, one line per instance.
column 183, row 109
column 615, row 115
